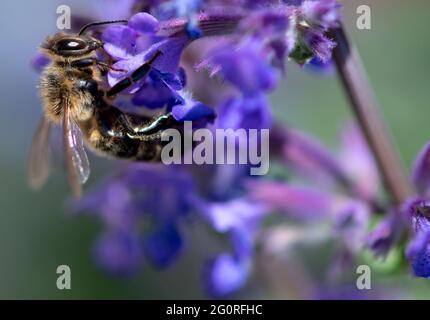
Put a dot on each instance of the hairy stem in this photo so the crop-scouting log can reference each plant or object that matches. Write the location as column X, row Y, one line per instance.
column 209, row 24
column 363, row 103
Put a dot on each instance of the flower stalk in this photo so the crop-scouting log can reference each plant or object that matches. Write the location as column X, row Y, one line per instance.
column 365, row 108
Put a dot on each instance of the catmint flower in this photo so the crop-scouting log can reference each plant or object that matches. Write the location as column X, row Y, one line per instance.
column 240, row 219
column 417, row 213
column 312, row 20
column 118, row 252
column 134, row 44
column 386, row 234
column 421, row 170
column 225, row 274
column 141, row 194
column 247, row 70
column 412, row 216
column 323, row 68
column 346, row 202
column 144, row 206
column 245, row 112
column 312, row 43
column 323, row 14
column 418, row 250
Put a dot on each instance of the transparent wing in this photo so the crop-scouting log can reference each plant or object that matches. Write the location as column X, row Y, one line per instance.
column 78, row 166
column 39, row 161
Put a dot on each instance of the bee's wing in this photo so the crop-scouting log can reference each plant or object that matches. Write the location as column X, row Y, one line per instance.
column 78, row 166
column 39, row 158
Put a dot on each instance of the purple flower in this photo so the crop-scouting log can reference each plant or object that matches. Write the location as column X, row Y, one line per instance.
column 346, row 203
column 225, row 274
column 302, row 203
column 317, row 43
column 418, row 250
column 312, row 21
column 159, row 90
column 120, row 42
column 119, row 253
column 382, row 239
column 251, row 57
column 322, row 14
column 163, row 245
column 155, row 195
column 113, row 203
column 245, row 67
column 421, row 170
column 135, row 44
column 417, row 213
column 245, row 112
column 323, row 68
column 192, row 110
column 350, row 224
column 240, row 218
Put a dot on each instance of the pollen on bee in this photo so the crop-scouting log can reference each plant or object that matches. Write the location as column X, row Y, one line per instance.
column 95, row 136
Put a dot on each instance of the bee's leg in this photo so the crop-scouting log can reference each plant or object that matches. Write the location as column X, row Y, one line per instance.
column 137, row 75
column 156, row 126
column 105, row 67
column 88, row 62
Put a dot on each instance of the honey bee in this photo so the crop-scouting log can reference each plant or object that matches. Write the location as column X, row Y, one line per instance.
column 74, row 95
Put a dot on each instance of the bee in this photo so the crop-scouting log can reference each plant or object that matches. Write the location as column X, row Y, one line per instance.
column 74, row 95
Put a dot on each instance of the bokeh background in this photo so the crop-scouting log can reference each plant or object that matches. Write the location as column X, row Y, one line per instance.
column 36, row 232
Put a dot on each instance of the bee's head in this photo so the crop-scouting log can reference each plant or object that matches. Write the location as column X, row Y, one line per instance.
column 67, row 45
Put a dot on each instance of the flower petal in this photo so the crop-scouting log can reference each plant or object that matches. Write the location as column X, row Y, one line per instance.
column 191, row 111
column 235, row 214
column 144, row 23
column 303, row 203
column 323, row 14
column 164, row 245
column 252, row 112
column 120, row 41
column 119, row 253
column 225, row 274
column 421, row 170
column 168, row 62
column 246, row 67
column 385, row 235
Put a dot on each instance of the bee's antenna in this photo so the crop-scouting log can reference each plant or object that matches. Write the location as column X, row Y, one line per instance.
column 89, row 25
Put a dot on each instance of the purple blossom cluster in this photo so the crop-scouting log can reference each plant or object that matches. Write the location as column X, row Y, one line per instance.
column 246, row 44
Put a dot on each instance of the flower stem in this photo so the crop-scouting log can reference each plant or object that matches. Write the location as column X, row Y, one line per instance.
column 363, row 103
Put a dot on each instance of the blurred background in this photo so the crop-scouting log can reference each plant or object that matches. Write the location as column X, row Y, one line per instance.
column 36, row 232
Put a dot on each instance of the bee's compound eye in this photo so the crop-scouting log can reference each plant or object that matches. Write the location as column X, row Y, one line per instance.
column 71, row 44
